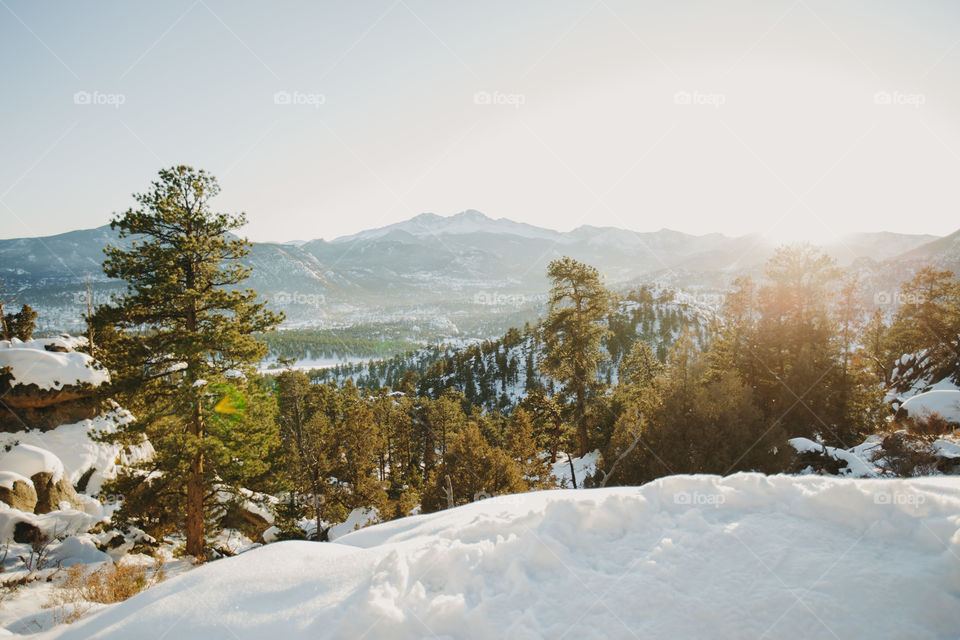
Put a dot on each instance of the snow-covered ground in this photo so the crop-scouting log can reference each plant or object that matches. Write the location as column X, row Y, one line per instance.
column 745, row 556
column 582, row 467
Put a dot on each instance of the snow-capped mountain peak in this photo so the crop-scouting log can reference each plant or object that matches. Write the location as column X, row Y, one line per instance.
column 469, row 221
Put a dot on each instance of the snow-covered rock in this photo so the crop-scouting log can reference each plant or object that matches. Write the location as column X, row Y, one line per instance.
column 17, row 491
column 28, row 460
column 946, row 403
column 685, row 556
column 31, row 362
column 80, row 454
column 45, row 383
column 855, row 463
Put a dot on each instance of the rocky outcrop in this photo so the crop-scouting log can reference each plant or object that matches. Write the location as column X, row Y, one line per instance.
column 30, row 407
column 45, row 383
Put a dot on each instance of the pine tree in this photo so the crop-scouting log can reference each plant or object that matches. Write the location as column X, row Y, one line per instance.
column 471, row 470
column 929, row 321
column 21, row 324
column 573, row 335
column 181, row 328
column 523, row 449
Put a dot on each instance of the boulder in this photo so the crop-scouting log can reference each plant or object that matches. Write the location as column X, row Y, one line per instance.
column 50, row 493
column 27, row 532
column 17, row 491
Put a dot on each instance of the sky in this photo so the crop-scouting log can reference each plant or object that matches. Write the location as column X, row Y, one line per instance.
column 798, row 119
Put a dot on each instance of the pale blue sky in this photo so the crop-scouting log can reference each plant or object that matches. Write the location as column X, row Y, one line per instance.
column 794, row 118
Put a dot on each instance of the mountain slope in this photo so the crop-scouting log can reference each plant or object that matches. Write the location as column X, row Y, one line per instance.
column 440, row 269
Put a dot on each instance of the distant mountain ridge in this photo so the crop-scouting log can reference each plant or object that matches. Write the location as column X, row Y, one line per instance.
column 446, row 270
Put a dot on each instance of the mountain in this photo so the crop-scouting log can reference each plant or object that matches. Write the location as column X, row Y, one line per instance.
column 467, row 272
column 943, row 252
column 466, row 222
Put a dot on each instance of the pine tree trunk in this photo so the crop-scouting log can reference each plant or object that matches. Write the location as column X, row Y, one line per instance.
column 582, row 421
column 195, row 537
column 556, row 440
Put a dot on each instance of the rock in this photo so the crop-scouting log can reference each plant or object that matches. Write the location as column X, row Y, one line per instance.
column 26, row 532
column 50, row 494
column 22, row 496
column 30, row 407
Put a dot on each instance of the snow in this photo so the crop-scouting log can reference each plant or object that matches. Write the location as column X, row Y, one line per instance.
column 8, row 478
column 857, row 459
column 944, row 402
column 685, row 556
column 30, row 363
column 64, row 522
column 357, row 519
column 71, row 443
column 29, row 460
column 583, row 467
column 469, row 221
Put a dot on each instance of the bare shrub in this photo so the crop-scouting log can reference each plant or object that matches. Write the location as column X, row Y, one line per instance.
column 106, row 585
column 904, row 454
column 930, row 423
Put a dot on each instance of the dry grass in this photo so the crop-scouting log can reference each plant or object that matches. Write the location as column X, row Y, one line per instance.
column 106, row 585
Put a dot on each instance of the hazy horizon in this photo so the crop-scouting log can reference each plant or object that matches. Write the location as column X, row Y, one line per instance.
column 547, row 227
column 796, row 119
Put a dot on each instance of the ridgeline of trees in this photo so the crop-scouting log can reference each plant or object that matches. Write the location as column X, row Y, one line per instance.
column 363, row 341
column 656, row 389
column 496, row 374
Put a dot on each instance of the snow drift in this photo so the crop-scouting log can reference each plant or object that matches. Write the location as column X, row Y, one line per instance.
column 685, row 556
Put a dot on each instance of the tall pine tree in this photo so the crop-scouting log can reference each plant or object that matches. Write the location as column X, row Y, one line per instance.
column 181, row 339
column 573, row 334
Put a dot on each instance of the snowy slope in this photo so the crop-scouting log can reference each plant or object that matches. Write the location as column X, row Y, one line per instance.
column 683, row 557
